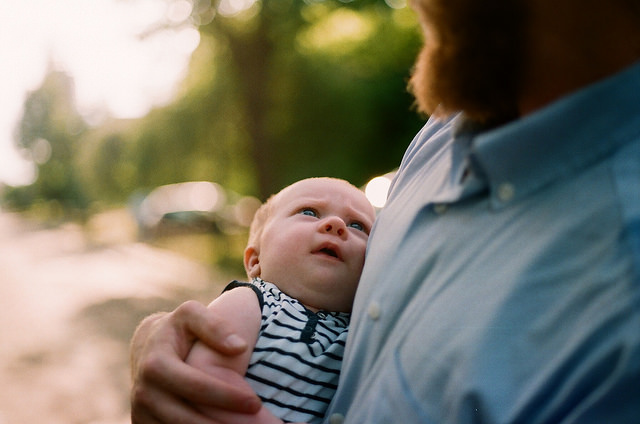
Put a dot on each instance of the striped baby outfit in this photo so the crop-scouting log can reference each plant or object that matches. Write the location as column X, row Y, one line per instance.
column 295, row 364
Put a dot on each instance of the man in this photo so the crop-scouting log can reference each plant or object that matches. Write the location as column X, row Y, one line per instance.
column 502, row 281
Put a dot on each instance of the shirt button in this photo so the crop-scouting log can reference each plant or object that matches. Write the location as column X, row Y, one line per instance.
column 336, row 419
column 374, row 311
column 440, row 208
column 506, row 191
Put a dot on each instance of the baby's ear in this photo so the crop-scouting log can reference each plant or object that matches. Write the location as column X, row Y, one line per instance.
column 252, row 262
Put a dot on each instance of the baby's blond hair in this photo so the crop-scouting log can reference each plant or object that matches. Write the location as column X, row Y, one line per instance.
column 259, row 219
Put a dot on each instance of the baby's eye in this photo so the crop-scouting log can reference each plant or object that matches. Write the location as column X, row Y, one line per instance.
column 358, row 226
column 308, row 212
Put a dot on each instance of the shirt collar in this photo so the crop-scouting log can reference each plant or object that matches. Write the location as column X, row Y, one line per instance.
column 558, row 140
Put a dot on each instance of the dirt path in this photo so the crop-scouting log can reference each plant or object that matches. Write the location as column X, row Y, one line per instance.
column 67, row 311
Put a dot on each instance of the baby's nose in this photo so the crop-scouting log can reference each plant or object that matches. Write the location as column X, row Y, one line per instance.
column 334, row 225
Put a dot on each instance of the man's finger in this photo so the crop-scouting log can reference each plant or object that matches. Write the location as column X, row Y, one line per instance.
column 166, row 410
column 220, row 387
column 212, row 329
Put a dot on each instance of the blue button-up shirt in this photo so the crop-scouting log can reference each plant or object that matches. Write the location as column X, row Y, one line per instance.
column 502, row 279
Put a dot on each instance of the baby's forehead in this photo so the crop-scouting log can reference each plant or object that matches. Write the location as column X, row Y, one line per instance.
column 320, row 188
column 323, row 190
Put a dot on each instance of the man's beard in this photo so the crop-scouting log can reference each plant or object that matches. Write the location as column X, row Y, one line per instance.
column 473, row 62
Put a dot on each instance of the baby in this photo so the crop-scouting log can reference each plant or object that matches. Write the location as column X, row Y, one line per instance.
column 304, row 258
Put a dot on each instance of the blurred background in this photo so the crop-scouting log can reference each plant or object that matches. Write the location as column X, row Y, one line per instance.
column 137, row 138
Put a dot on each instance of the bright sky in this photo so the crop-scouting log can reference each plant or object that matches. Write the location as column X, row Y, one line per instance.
column 97, row 43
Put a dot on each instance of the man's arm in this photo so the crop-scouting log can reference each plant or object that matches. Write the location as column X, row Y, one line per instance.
column 165, row 387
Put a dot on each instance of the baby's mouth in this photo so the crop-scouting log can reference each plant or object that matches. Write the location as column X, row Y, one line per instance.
column 329, row 250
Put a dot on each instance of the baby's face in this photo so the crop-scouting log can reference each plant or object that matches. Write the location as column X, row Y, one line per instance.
column 313, row 245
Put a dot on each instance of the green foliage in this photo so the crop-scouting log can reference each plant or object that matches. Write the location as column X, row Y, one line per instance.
column 351, row 108
column 320, row 87
column 283, row 90
column 50, row 130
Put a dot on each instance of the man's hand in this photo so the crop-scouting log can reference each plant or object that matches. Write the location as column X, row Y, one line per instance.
column 165, row 388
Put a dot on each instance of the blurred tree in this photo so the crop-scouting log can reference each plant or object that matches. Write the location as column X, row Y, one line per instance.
column 49, row 130
column 277, row 90
column 105, row 164
column 281, row 90
column 321, row 85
